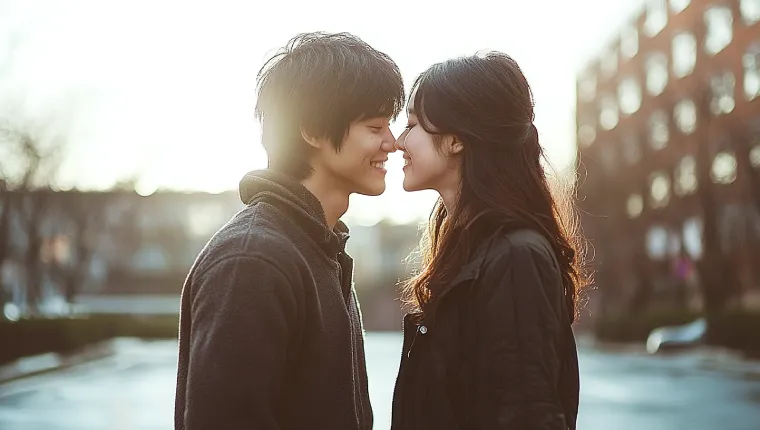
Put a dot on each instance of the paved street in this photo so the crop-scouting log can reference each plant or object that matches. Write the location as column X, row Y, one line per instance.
column 623, row 391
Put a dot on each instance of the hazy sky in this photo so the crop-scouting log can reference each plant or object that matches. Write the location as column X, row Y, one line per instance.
column 166, row 88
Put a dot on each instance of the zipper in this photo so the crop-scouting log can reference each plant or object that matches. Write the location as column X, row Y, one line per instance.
column 411, row 345
column 399, row 417
column 397, row 409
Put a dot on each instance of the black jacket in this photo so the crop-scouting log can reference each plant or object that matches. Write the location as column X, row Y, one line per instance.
column 498, row 352
column 270, row 329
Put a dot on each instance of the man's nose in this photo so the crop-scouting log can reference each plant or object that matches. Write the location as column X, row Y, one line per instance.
column 389, row 142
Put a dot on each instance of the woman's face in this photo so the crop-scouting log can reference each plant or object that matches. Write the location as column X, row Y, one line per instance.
column 427, row 166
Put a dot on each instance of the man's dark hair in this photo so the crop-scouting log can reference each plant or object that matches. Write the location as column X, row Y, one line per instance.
column 321, row 83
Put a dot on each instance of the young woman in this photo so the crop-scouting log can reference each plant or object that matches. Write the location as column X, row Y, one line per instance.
column 490, row 344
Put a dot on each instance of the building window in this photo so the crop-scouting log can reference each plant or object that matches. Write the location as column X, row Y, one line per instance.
column 754, row 156
column 609, row 63
column 751, row 62
column 722, row 101
column 629, row 42
column 684, row 54
column 657, row 242
column 608, row 112
column 724, row 168
column 657, row 17
column 685, row 114
column 659, row 189
column 658, row 130
column 719, row 22
column 677, row 6
column 686, row 176
column 587, row 88
column 692, row 237
column 631, row 148
column 629, row 93
column 750, row 10
column 634, row 206
column 657, row 74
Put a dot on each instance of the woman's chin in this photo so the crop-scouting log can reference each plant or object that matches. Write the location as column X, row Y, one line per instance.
column 410, row 186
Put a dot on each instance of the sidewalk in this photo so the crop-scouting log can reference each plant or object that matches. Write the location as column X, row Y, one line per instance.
column 726, row 360
column 707, row 357
column 154, row 349
column 52, row 361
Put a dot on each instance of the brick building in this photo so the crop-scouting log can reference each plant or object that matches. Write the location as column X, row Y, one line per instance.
column 668, row 132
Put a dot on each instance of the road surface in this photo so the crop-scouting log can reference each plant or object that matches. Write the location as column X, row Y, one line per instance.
column 134, row 390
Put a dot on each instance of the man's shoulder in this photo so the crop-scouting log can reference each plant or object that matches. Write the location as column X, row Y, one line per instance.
column 256, row 232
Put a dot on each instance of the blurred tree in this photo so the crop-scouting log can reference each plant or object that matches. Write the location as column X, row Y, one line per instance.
column 29, row 162
column 744, row 139
column 13, row 42
column 718, row 279
column 83, row 221
column 90, row 222
column 5, row 218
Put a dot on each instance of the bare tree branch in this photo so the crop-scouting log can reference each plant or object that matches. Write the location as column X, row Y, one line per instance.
column 30, row 164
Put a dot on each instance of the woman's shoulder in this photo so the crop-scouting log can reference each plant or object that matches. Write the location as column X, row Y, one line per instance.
column 521, row 240
column 521, row 246
column 519, row 261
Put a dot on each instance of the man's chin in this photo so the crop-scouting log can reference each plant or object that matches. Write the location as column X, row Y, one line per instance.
column 372, row 191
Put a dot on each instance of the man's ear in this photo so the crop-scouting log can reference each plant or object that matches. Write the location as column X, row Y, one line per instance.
column 314, row 142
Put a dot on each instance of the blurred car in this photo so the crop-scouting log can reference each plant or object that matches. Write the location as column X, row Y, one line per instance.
column 677, row 337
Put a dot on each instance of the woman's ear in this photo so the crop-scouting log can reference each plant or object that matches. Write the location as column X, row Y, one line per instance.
column 454, row 145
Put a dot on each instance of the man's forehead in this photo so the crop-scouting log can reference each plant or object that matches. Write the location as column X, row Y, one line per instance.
column 382, row 118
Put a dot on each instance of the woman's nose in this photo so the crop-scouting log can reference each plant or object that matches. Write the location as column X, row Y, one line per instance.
column 401, row 141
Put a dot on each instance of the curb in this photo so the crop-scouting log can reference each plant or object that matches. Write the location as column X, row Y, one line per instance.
column 728, row 361
column 708, row 357
column 49, row 362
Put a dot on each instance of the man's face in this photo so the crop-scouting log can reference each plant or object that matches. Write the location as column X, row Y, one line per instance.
column 359, row 166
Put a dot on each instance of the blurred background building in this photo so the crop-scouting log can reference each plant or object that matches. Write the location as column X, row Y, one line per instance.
column 668, row 131
column 120, row 252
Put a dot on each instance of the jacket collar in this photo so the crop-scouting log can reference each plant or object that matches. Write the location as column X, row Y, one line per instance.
column 469, row 272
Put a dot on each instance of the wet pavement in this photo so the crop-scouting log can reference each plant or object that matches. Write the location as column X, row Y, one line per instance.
column 134, row 389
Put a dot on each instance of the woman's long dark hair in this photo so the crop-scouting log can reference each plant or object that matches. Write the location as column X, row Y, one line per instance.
column 486, row 102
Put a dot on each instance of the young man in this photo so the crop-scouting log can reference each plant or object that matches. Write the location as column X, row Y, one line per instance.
column 270, row 330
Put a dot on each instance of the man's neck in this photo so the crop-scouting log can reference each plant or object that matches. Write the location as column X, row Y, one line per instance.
column 334, row 201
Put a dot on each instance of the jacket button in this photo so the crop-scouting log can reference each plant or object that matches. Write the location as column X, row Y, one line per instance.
column 423, row 329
